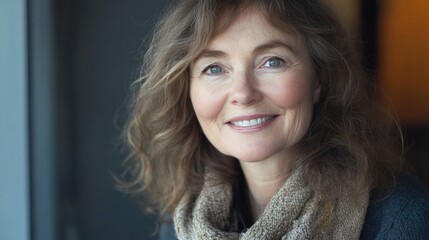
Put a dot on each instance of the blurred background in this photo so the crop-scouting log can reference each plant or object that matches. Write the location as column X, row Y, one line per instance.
column 65, row 71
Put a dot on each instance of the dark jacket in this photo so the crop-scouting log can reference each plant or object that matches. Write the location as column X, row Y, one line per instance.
column 402, row 214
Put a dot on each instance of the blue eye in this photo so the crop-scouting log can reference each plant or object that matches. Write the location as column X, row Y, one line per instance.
column 213, row 70
column 274, row 62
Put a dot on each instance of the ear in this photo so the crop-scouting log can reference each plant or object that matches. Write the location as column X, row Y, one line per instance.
column 317, row 89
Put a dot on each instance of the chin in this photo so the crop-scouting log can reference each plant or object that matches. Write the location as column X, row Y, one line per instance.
column 252, row 156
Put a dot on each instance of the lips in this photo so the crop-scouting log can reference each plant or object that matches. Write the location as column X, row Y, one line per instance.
column 251, row 121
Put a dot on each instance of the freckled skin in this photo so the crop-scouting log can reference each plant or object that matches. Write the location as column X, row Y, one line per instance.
column 249, row 85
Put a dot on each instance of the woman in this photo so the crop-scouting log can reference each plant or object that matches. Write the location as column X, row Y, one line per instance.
column 253, row 120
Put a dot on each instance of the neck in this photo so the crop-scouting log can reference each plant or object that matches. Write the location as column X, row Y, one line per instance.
column 263, row 180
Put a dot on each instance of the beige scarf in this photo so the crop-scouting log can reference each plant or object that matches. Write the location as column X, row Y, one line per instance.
column 292, row 213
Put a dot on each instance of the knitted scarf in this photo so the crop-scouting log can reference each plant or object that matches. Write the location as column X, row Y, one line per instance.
column 292, row 213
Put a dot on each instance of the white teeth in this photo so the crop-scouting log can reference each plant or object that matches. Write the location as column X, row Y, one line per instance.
column 252, row 122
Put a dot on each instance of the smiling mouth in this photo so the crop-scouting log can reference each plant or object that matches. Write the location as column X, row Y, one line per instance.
column 252, row 122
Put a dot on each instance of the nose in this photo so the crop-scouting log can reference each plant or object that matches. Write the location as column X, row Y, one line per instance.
column 245, row 89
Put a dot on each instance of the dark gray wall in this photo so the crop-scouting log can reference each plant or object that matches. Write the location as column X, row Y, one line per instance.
column 84, row 54
column 106, row 61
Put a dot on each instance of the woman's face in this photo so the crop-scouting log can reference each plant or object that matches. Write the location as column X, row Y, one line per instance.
column 253, row 89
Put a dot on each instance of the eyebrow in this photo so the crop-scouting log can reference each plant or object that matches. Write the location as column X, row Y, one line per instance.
column 258, row 49
column 212, row 54
column 273, row 44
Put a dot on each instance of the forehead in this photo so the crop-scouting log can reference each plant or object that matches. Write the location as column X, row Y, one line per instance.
column 250, row 25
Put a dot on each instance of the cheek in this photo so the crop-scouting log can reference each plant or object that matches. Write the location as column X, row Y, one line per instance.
column 291, row 93
column 207, row 103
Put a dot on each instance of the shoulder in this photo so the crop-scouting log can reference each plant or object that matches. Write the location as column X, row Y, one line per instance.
column 402, row 214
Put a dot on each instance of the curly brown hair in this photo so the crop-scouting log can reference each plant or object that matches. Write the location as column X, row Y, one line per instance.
column 348, row 145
